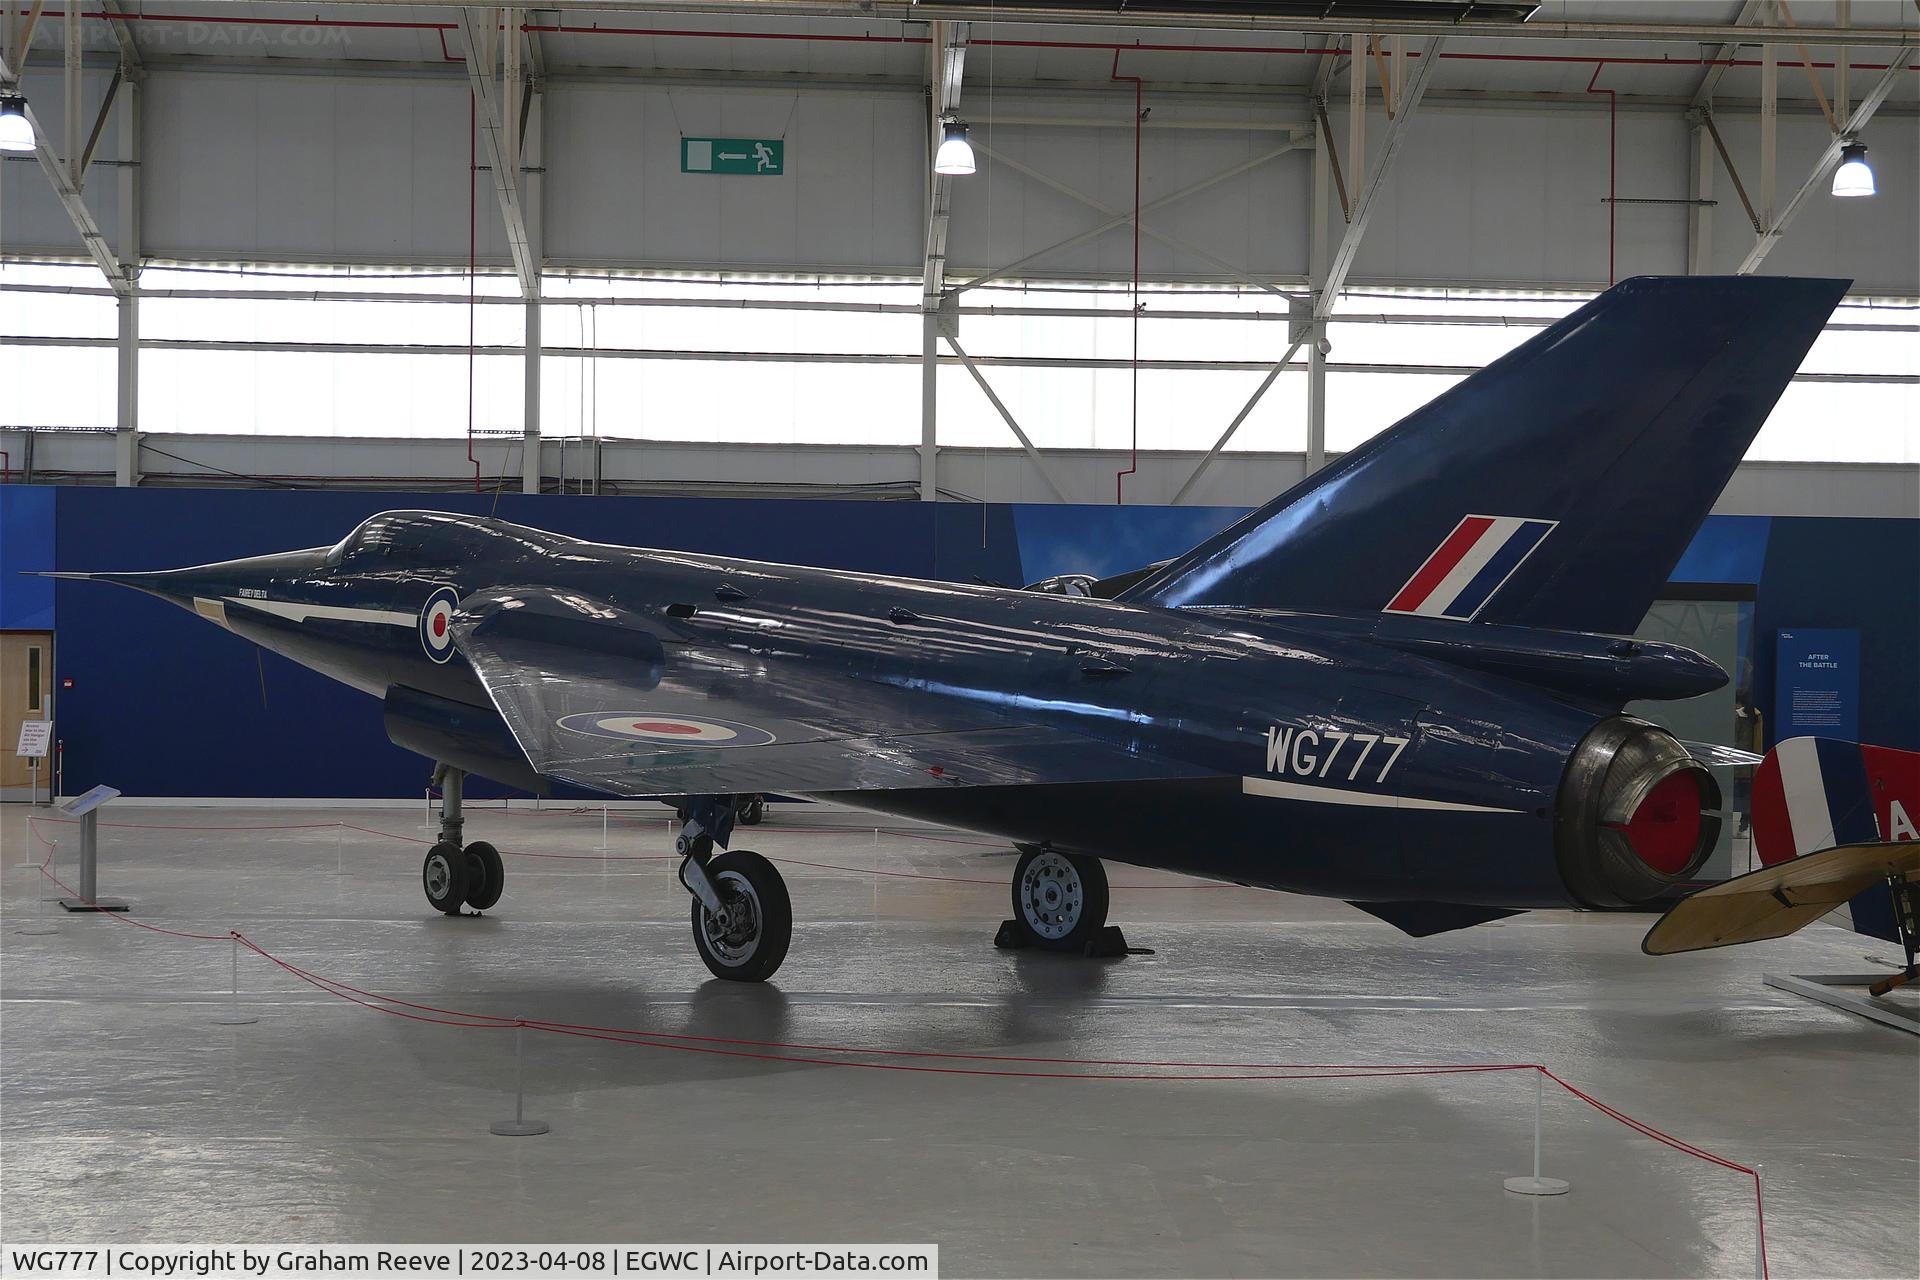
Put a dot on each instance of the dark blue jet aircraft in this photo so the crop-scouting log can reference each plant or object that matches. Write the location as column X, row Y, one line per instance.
column 1400, row 683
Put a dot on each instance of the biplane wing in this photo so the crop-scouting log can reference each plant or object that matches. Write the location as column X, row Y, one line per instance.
column 1779, row 900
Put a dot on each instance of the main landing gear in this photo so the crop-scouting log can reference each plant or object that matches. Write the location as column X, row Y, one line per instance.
column 456, row 874
column 742, row 917
column 1059, row 903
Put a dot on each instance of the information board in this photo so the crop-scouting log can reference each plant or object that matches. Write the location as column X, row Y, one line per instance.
column 90, row 801
column 35, row 737
column 1816, row 689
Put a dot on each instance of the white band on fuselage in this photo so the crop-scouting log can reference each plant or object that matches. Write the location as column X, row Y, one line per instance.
column 1365, row 799
column 297, row 612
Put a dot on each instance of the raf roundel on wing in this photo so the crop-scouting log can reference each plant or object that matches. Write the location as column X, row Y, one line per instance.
column 667, row 730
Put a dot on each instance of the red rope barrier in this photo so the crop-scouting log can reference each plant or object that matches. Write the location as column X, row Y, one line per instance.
column 662, row 857
column 803, row 1054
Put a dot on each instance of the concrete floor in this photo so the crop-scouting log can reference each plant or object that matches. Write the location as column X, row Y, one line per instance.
column 129, row 1116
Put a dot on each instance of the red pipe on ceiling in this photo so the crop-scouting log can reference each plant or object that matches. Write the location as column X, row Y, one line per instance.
column 903, row 38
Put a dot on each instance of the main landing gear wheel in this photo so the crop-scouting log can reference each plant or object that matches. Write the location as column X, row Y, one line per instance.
column 752, row 810
column 486, row 877
column 748, row 938
column 1059, row 902
column 446, row 878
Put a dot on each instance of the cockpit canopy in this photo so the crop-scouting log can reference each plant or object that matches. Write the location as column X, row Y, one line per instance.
column 427, row 539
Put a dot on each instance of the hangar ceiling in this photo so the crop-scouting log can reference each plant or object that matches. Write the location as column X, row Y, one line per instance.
column 679, row 39
column 1555, row 147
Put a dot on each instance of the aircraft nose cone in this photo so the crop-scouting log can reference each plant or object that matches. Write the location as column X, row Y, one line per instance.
column 202, row 588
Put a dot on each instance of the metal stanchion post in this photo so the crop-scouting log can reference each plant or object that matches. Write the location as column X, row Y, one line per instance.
column 1537, row 1185
column 519, row 1126
column 233, row 1017
column 1759, row 1224
column 40, row 924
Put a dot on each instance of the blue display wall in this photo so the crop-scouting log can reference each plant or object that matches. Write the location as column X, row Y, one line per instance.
column 160, row 703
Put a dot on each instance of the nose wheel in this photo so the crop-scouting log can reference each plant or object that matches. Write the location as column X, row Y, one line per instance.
column 1059, row 901
column 455, row 874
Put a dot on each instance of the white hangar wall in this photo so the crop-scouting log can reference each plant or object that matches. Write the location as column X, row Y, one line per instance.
column 1875, row 243
column 851, row 199
column 364, row 168
column 308, row 169
column 1499, row 195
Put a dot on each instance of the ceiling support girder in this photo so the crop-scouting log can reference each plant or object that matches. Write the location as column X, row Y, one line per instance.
column 1006, row 416
column 60, row 174
column 1824, row 166
column 478, row 29
column 1363, row 205
column 1120, row 217
column 946, row 69
column 1246, row 411
column 1226, row 17
column 1723, row 57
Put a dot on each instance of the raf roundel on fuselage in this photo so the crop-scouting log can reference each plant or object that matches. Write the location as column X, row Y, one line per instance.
column 436, row 624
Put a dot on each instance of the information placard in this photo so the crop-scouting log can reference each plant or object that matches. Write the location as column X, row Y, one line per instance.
column 1816, row 690
column 36, row 736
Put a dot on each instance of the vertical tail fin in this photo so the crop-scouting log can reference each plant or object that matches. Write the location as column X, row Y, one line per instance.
column 1557, row 487
column 1811, row 794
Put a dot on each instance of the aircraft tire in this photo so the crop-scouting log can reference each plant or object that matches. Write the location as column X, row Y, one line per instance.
column 1059, row 901
column 486, row 876
column 444, row 877
column 753, row 812
column 751, row 949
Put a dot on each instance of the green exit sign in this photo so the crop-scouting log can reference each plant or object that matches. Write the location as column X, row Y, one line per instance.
column 763, row 157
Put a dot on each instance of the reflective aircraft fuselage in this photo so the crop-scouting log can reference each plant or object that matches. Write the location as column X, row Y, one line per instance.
column 1358, row 757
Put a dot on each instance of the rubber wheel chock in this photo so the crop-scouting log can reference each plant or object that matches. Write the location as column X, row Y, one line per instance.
column 1110, row 943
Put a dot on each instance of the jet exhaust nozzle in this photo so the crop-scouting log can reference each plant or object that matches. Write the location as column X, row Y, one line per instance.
column 1636, row 815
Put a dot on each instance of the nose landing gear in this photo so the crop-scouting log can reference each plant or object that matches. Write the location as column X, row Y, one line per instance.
column 456, row 874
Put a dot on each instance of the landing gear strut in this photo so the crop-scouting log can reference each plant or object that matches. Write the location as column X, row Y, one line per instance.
column 742, row 916
column 456, row 874
column 1906, row 925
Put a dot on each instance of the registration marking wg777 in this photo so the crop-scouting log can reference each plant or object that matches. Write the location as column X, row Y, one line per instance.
column 1297, row 751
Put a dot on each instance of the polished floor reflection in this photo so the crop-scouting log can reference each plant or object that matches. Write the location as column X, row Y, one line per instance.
column 130, row 1116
